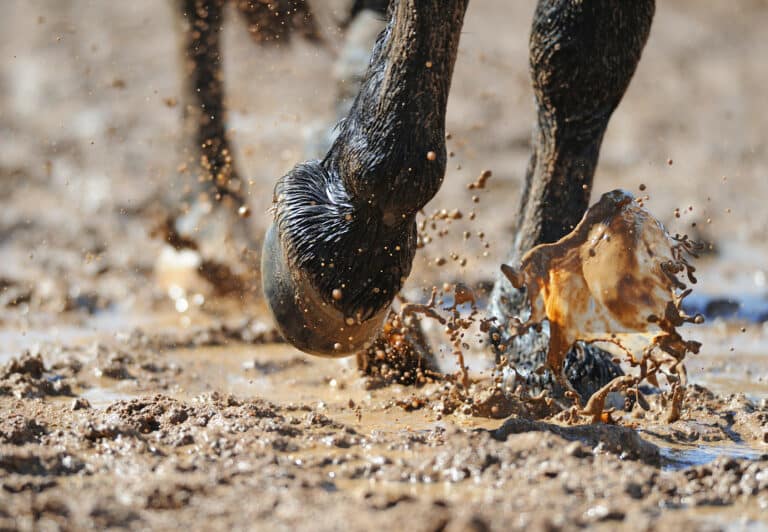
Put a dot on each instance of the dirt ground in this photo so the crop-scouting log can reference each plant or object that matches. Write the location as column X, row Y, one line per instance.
column 132, row 397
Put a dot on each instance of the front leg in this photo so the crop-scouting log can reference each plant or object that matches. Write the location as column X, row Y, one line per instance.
column 343, row 236
column 582, row 58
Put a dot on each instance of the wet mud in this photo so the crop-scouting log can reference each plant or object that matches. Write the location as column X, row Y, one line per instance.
column 150, row 432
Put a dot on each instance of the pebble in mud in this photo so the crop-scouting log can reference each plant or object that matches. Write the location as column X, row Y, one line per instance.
column 80, row 403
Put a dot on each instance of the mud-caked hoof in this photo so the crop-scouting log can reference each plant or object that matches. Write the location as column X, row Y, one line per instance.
column 588, row 368
column 302, row 316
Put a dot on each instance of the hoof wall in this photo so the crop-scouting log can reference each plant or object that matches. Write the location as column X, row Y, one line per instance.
column 301, row 315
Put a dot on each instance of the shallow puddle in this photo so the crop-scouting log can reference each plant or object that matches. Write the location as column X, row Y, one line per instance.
column 676, row 457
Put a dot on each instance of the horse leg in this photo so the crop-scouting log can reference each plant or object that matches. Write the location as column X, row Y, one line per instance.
column 582, row 58
column 344, row 232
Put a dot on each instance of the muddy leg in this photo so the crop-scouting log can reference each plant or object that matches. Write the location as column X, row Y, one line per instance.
column 344, row 231
column 582, row 58
column 212, row 217
column 209, row 158
column 210, row 190
column 400, row 353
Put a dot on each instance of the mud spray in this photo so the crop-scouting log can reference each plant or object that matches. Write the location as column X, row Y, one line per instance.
column 618, row 278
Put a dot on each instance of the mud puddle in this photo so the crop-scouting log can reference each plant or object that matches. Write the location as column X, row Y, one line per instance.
column 681, row 457
column 142, row 434
column 334, row 386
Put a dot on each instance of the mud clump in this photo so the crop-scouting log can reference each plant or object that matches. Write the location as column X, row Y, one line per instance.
column 247, row 331
column 706, row 418
column 28, row 377
column 17, row 430
column 400, row 354
column 618, row 440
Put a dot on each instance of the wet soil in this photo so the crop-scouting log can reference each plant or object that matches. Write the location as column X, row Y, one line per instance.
column 136, row 397
column 140, row 431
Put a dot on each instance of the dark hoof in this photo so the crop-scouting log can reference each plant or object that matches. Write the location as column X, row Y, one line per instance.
column 301, row 314
column 588, row 368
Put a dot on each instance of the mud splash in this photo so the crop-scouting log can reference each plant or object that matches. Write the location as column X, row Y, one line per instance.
column 615, row 273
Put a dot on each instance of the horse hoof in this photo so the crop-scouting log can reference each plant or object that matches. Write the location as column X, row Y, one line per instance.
column 302, row 316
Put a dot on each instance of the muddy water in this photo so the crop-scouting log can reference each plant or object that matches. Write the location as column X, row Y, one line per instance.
column 163, row 415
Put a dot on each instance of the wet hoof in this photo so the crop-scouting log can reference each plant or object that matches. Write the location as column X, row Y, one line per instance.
column 304, row 319
column 588, row 368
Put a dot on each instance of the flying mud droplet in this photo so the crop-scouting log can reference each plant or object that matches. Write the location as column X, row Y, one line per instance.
column 481, row 180
column 431, row 156
column 615, row 273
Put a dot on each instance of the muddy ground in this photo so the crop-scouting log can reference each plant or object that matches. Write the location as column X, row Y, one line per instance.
column 138, row 398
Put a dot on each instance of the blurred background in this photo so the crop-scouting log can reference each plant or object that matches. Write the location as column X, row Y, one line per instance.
column 90, row 136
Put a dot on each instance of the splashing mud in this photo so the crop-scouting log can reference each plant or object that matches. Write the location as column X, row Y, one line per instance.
column 615, row 273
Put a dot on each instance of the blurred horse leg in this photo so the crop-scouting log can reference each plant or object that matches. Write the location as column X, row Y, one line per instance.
column 210, row 190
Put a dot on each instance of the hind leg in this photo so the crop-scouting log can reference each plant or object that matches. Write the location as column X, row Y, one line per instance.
column 210, row 217
column 582, row 58
column 209, row 158
column 208, row 190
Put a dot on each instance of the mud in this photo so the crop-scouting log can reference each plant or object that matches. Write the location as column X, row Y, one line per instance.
column 137, row 398
column 617, row 272
column 307, row 444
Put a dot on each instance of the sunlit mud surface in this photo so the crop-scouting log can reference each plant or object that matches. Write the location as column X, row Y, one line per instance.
column 133, row 397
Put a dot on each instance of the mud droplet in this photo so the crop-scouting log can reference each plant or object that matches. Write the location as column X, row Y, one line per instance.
column 431, row 156
column 337, row 294
column 481, row 180
column 244, row 212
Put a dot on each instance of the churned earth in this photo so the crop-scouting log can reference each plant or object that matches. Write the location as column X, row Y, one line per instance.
column 137, row 397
